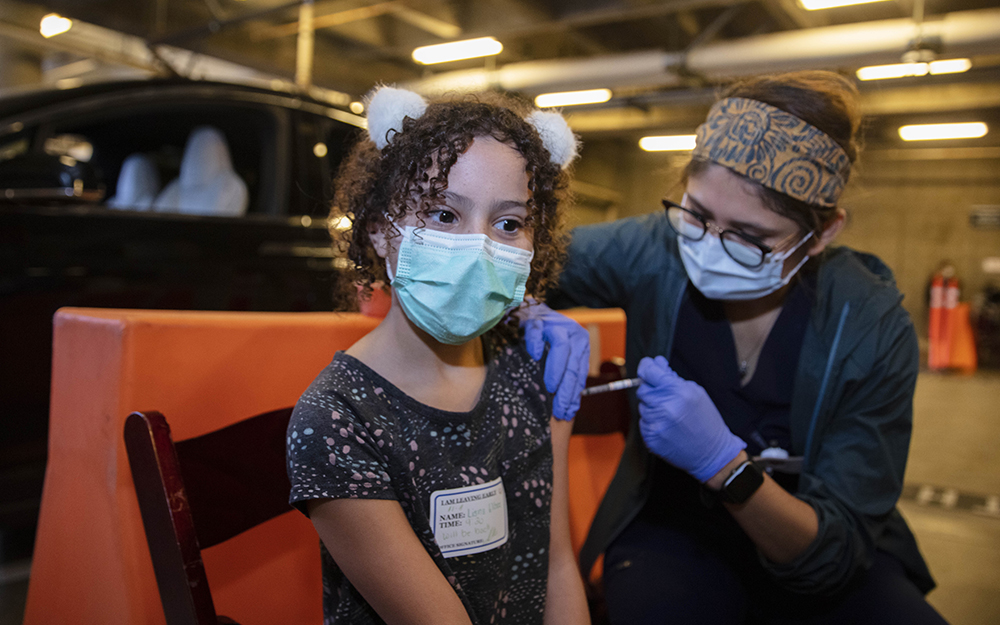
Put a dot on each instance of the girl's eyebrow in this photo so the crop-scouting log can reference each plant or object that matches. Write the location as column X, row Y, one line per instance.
column 508, row 204
column 456, row 198
column 464, row 202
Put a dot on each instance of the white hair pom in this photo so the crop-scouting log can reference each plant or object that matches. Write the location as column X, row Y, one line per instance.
column 386, row 109
column 557, row 137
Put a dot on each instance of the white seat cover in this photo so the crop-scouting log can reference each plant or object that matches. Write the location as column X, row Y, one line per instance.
column 207, row 184
column 138, row 184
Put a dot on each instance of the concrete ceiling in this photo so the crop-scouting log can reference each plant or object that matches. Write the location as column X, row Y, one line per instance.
column 662, row 58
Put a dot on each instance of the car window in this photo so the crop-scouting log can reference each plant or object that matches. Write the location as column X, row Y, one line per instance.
column 75, row 146
column 320, row 146
column 13, row 147
column 160, row 132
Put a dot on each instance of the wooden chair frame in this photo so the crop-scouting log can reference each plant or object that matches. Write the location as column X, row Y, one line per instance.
column 200, row 492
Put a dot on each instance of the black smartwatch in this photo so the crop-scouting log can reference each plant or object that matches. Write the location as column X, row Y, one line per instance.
column 741, row 483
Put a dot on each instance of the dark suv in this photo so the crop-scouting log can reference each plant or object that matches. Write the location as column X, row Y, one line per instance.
column 61, row 156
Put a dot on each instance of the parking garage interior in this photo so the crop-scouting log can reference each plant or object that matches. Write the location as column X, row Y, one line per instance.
column 286, row 82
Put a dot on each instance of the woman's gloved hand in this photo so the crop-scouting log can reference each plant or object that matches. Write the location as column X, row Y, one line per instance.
column 569, row 354
column 680, row 423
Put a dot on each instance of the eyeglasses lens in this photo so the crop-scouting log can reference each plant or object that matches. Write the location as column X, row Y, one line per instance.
column 741, row 250
column 685, row 223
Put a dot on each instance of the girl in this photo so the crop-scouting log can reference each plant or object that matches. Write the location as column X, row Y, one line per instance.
column 424, row 454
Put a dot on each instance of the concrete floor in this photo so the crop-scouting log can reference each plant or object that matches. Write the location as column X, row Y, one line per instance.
column 952, row 500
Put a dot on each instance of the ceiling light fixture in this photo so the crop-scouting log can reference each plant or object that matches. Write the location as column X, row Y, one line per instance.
column 950, row 66
column 900, row 70
column 54, row 24
column 895, row 70
column 457, row 50
column 930, row 132
column 815, row 5
column 573, row 98
column 666, row 143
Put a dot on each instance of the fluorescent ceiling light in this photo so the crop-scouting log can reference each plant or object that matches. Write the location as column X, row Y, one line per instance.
column 815, row 5
column 457, row 50
column 950, row 66
column 900, row 70
column 54, row 24
column 929, row 132
column 896, row 70
column 572, row 98
column 666, row 143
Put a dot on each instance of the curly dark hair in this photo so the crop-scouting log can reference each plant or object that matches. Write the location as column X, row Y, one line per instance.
column 376, row 188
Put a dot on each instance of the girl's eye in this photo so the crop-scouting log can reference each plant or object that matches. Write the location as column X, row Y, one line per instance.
column 443, row 216
column 510, row 225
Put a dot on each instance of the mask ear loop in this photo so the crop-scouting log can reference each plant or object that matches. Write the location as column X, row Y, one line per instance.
column 784, row 255
column 798, row 266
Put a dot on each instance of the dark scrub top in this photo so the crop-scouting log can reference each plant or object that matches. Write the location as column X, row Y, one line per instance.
column 704, row 352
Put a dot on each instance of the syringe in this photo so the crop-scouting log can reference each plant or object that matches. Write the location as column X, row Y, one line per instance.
column 617, row 385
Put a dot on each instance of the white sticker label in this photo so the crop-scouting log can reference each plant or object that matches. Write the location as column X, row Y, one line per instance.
column 469, row 520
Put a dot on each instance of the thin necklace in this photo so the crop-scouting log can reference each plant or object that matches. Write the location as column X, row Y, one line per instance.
column 744, row 366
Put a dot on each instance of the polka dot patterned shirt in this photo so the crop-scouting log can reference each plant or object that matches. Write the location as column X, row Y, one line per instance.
column 355, row 435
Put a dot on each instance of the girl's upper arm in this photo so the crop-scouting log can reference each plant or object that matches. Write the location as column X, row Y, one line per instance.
column 565, row 597
column 374, row 545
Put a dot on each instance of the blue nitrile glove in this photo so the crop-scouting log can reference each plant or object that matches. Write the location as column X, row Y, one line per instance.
column 680, row 423
column 569, row 354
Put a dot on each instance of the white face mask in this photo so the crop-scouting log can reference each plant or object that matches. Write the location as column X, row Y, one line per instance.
column 718, row 276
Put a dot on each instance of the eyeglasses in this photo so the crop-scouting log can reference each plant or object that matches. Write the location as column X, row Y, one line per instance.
column 743, row 248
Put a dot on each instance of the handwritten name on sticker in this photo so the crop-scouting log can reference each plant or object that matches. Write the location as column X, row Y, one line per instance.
column 469, row 520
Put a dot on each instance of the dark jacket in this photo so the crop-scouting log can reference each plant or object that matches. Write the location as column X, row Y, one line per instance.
column 852, row 407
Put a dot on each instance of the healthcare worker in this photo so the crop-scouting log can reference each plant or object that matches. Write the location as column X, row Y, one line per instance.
column 753, row 336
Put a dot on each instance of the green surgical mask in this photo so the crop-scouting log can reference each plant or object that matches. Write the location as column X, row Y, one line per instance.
column 455, row 287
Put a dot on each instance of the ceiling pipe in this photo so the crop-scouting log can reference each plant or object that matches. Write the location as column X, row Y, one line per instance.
column 961, row 33
column 121, row 49
column 305, row 46
column 650, row 68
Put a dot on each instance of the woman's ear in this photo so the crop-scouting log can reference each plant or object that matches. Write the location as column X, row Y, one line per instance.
column 829, row 233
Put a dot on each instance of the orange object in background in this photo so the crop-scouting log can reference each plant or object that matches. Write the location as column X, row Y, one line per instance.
column 951, row 342
column 945, row 339
column 593, row 459
column 206, row 370
column 935, row 355
column 962, row 353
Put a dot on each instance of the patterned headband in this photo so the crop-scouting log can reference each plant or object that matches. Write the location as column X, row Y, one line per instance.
column 775, row 149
